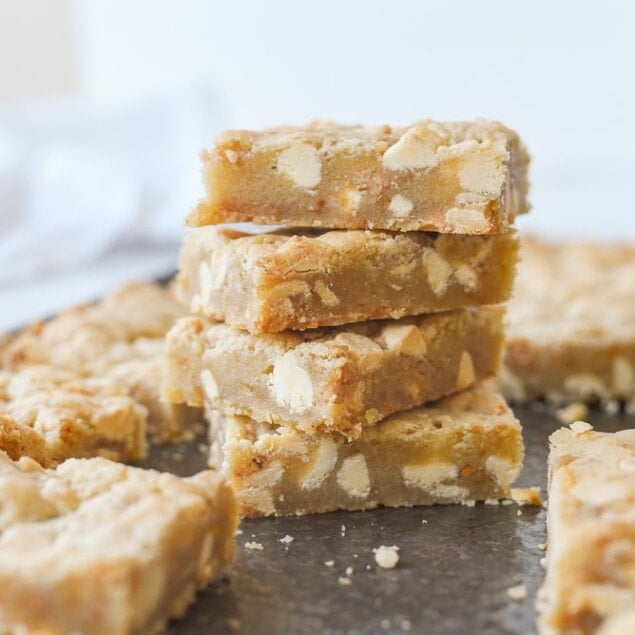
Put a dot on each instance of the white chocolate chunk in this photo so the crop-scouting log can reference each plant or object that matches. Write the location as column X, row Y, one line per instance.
column 482, row 175
column 301, row 163
column 400, row 205
column 358, row 343
column 231, row 155
column 267, row 476
column 351, row 199
column 353, row 476
column 218, row 270
column 466, row 221
column 320, row 465
column 466, row 277
column 206, row 283
column 289, row 288
column 210, row 387
column 466, row 375
column 404, row 338
column 291, row 384
column 325, row 294
column 416, row 149
column 437, row 269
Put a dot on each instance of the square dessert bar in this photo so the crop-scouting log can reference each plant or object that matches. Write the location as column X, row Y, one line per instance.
column 98, row 547
column 338, row 378
column 283, row 280
column 120, row 338
column 462, row 178
column 52, row 414
column 591, row 531
column 466, row 447
column 571, row 323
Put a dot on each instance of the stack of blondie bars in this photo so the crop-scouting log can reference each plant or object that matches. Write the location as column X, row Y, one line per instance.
column 343, row 361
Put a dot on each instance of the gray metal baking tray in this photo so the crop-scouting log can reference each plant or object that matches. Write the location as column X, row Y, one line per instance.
column 456, row 563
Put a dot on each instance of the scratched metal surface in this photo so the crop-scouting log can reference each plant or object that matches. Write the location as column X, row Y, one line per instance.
column 452, row 577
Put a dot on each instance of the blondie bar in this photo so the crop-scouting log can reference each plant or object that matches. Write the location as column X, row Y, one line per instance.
column 120, row 338
column 571, row 323
column 466, row 447
column 462, row 178
column 283, row 280
column 51, row 414
column 338, row 378
column 101, row 548
column 591, row 527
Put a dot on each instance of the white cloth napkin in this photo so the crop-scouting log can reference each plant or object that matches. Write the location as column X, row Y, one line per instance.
column 79, row 179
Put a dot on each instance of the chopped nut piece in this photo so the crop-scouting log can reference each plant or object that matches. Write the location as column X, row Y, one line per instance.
column 287, row 540
column 344, row 581
column 386, row 557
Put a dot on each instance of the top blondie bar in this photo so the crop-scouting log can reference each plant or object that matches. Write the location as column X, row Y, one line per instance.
column 460, row 178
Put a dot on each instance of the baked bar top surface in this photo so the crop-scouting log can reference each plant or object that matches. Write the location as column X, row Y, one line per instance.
column 120, row 339
column 52, row 414
column 573, row 293
column 96, row 546
column 307, row 279
column 591, row 529
column 465, row 177
column 97, row 334
column 571, row 323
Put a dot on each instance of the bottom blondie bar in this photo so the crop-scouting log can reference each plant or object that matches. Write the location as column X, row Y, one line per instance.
column 97, row 547
column 591, row 525
column 466, row 447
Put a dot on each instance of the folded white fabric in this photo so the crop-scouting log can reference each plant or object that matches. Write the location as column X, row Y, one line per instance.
column 77, row 179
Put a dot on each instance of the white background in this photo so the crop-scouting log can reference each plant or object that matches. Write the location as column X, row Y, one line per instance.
column 561, row 73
